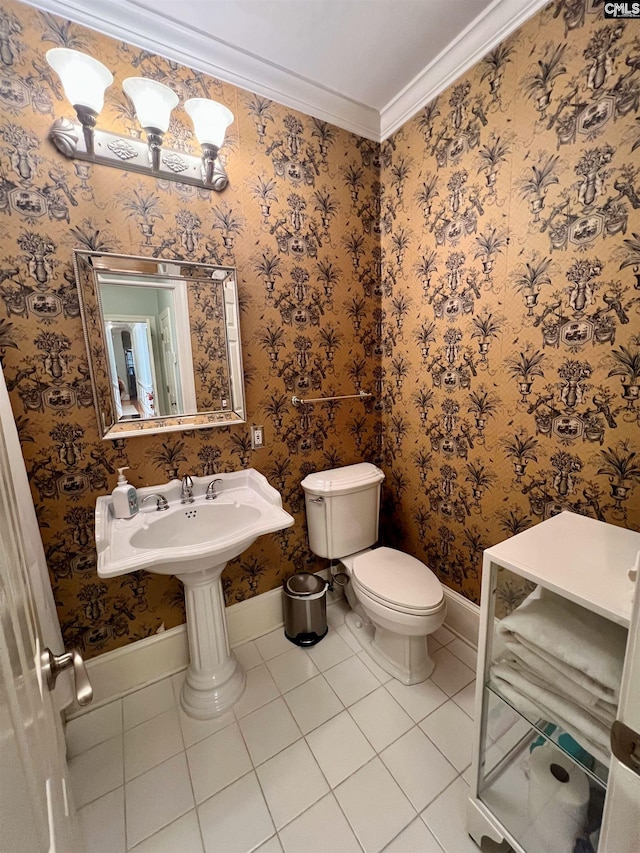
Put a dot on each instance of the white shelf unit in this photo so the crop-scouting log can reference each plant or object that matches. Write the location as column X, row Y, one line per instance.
column 586, row 562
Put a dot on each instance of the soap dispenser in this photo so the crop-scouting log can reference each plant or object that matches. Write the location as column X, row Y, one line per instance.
column 125, row 497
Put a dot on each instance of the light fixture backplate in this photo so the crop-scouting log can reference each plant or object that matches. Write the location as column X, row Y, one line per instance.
column 132, row 155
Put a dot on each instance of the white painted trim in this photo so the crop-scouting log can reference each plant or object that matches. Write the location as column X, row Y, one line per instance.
column 114, row 674
column 254, row 617
column 463, row 616
column 183, row 344
column 152, row 31
column 490, row 28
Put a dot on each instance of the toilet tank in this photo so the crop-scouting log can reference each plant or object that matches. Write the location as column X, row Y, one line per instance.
column 343, row 506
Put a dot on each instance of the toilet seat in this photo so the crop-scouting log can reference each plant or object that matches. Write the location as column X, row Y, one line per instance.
column 397, row 581
column 392, row 607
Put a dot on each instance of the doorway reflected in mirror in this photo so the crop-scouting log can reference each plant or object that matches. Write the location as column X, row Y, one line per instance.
column 163, row 341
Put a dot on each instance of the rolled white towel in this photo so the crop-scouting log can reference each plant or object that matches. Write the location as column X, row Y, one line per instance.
column 582, row 646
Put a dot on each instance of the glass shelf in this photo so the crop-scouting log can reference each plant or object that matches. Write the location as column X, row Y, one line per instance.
column 523, row 761
column 552, row 732
column 504, row 786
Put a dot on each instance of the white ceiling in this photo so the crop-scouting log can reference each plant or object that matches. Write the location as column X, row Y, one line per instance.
column 364, row 50
column 365, row 65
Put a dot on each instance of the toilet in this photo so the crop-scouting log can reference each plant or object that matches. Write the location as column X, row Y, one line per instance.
column 396, row 601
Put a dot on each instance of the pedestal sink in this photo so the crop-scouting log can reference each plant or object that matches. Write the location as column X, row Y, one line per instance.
column 194, row 542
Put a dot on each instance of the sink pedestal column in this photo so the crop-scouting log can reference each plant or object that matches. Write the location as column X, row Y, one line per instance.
column 215, row 680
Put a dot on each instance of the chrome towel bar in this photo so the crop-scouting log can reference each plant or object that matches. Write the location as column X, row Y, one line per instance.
column 361, row 395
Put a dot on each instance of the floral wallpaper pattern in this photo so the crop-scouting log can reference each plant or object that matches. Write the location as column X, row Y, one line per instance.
column 479, row 272
column 209, row 344
column 511, row 294
column 296, row 222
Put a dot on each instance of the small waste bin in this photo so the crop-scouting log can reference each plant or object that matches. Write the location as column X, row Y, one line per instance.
column 305, row 609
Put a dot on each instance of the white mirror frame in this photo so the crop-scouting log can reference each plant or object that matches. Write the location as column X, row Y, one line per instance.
column 86, row 265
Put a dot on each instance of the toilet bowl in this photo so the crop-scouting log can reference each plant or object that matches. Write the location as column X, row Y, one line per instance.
column 396, row 600
column 392, row 616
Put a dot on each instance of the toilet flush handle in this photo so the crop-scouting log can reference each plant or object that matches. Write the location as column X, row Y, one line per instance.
column 319, row 500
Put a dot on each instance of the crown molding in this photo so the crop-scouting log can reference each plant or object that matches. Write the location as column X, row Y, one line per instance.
column 152, row 31
column 484, row 33
column 190, row 47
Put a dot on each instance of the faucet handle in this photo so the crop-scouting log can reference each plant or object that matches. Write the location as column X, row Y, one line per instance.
column 187, row 490
column 161, row 502
column 211, row 489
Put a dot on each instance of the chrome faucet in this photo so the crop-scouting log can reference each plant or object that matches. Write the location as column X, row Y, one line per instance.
column 211, row 489
column 186, row 495
column 161, row 501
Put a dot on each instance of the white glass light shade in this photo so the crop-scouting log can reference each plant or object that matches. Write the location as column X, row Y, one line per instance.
column 210, row 120
column 153, row 101
column 83, row 78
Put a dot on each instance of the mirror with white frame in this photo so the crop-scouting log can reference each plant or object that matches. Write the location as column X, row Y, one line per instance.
column 163, row 342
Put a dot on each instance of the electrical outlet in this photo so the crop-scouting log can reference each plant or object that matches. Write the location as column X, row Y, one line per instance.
column 257, row 437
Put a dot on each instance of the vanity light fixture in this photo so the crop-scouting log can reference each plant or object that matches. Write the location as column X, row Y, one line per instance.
column 210, row 121
column 85, row 80
column 153, row 103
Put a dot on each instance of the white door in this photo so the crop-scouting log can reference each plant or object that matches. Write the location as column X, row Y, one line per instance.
column 35, row 810
column 621, row 820
column 170, row 362
column 113, row 373
column 142, row 348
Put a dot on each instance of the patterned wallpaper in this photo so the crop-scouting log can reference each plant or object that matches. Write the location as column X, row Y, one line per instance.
column 510, row 215
column 479, row 272
column 209, row 345
column 298, row 222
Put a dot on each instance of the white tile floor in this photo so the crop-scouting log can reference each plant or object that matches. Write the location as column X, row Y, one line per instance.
column 324, row 753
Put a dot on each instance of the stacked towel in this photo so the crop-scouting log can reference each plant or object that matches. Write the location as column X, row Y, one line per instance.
column 535, row 702
column 553, row 678
column 563, row 663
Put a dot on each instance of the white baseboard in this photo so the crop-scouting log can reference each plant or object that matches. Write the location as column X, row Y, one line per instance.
column 463, row 616
column 114, row 674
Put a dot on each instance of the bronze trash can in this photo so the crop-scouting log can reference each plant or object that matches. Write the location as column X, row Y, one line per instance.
column 305, row 609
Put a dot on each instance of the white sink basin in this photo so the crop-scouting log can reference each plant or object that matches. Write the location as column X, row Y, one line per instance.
column 196, row 525
column 194, row 541
column 189, row 537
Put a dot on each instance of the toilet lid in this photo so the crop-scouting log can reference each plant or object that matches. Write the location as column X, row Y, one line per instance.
column 399, row 579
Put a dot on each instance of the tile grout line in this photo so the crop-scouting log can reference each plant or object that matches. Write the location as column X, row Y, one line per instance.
column 331, row 787
column 254, row 771
column 166, row 758
column 375, row 751
column 111, row 790
column 417, row 722
column 124, row 793
column 186, row 758
column 124, row 790
column 419, row 817
column 448, row 760
column 420, row 814
column 377, row 755
column 303, row 736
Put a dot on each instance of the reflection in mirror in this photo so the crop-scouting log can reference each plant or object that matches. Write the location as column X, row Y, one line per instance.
column 163, row 341
column 149, row 346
